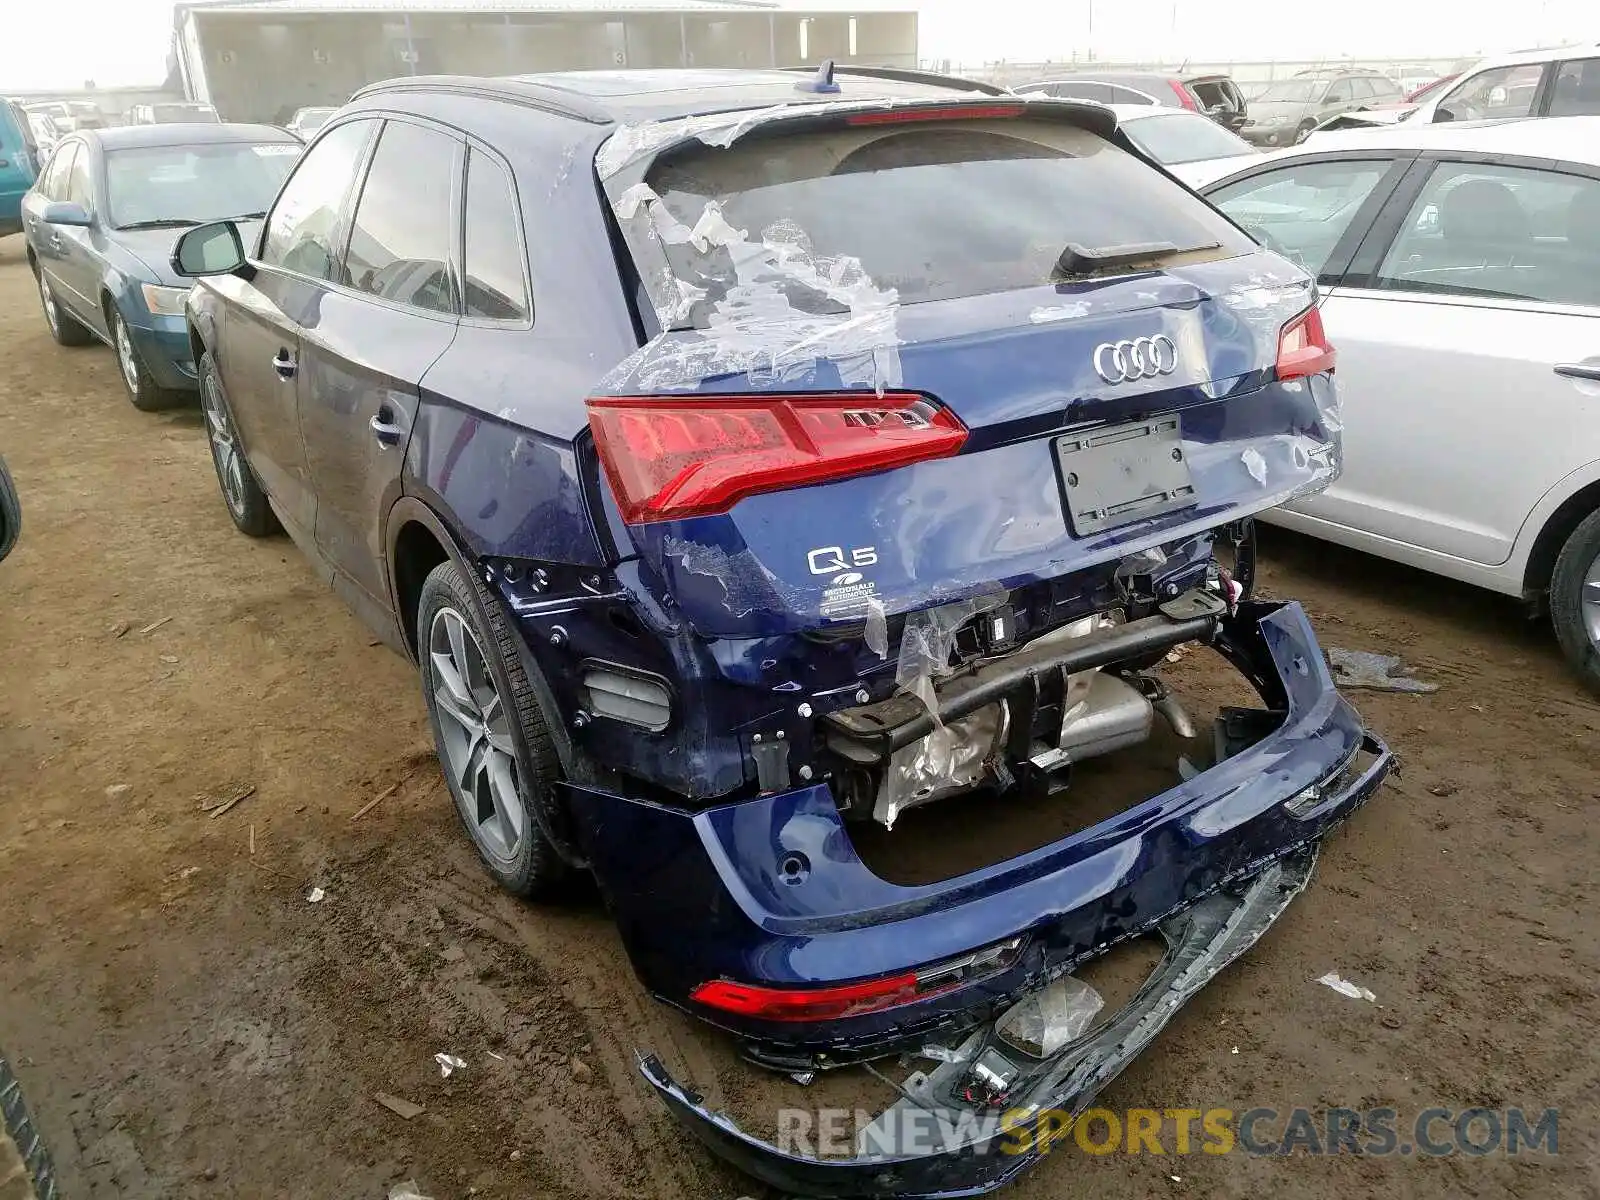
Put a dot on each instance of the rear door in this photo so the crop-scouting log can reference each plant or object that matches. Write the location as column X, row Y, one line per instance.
column 366, row 349
column 258, row 348
column 1469, row 355
column 49, row 247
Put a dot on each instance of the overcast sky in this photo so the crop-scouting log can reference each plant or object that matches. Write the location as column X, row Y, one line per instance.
column 62, row 43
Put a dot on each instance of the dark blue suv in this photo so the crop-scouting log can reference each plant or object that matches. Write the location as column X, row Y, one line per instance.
column 748, row 459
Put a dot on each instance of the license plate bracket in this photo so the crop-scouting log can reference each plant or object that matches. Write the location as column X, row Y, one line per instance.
column 1117, row 474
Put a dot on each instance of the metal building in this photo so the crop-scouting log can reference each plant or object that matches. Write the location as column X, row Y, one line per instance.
column 259, row 60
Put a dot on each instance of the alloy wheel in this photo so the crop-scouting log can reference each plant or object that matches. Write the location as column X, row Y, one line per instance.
column 474, row 731
column 48, row 299
column 224, row 447
column 125, row 356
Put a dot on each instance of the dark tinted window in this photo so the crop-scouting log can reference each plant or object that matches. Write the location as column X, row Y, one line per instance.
column 1123, row 95
column 1577, row 89
column 304, row 224
column 495, row 287
column 1083, row 89
column 931, row 210
column 401, row 238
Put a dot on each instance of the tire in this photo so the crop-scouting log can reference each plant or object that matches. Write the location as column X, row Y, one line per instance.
column 516, row 764
column 147, row 395
column 242, row 493
column 65, row 329
column 10, row 512
column 1575, row 600
column 20, row 1141
column 1304, row 131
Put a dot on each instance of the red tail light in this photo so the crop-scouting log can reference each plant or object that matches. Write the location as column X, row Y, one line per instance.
column 945, row 112
column 809, row 1004
column 1303, row 347
column 1184, row 98
column 672, row 458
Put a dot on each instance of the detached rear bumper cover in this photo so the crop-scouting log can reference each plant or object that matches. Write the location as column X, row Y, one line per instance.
column 933, row 1149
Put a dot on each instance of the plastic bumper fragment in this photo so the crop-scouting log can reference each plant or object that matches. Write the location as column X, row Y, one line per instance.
column 932, row 1144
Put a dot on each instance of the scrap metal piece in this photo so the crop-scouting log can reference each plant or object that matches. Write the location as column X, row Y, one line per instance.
column 1375, row 672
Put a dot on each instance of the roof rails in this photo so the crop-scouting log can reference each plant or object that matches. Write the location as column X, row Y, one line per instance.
column 519, row 91
column 906, row 75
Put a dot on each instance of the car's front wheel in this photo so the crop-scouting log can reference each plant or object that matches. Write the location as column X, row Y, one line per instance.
column 494, row 742
column 147, row 395
column 241, row 492
column 1575, row 600
column 64, row 328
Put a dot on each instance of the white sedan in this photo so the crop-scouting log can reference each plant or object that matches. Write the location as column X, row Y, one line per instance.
column 1459, row 267
column 1189, row 145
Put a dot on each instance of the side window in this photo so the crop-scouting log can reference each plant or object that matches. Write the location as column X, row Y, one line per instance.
column 1489, row 230
column 1081, row 89
column 78, row 189
column 1502, row 92
column 304, row 224
column 1125, row 95
column 54, row 182
column 1338, row 92
column 495, row 286
column 401, row 239
column 1577, row 89
column 1301, row 211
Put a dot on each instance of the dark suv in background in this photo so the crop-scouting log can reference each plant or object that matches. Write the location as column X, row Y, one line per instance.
column 1217, row 96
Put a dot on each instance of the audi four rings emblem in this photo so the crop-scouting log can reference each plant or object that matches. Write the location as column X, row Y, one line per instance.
column 1142, row 358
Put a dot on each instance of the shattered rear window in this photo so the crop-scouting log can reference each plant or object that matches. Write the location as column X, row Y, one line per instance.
column 930, row 211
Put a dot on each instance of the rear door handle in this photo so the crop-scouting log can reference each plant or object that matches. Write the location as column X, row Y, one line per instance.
column 385, row 428
column 1584, row 370
column 284, row 365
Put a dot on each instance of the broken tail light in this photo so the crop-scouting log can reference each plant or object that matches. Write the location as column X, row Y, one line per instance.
column 1303, row 347
column 854, row 999
column 670, row 458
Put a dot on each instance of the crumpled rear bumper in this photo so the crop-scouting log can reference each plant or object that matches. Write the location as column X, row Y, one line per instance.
column 937, row 1146
column 769, row 891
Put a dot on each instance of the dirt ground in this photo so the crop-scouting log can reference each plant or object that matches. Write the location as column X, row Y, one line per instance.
column 186, row 1024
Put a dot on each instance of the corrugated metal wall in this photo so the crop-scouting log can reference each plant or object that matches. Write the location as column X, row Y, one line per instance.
column 263, row 68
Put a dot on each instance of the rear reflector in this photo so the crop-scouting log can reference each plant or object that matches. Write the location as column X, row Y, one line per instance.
column 942, row 112
column 1303, row 347
column 671, row 458
column 853, row 999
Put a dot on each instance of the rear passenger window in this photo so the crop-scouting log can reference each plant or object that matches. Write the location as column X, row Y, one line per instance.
column 401, row 238
column 1512, row 232
column 54, row 183
column 932, row 211
column 1577, row 89
column 303, row 227
column 78, row 190
column 496, row 287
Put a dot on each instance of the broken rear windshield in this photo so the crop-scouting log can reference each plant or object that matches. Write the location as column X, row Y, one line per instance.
column 931, row 211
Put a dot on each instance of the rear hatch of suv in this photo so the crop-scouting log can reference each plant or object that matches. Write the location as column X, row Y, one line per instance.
column 1063, row 355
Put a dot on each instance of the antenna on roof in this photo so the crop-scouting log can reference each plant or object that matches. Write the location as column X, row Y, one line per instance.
column 822, row 81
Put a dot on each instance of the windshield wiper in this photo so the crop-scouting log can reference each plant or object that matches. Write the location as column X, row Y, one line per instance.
column 247, row 216
column 1077, row 259
column 160, row 223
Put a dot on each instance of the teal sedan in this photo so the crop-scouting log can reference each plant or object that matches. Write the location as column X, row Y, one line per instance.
column 101, row 221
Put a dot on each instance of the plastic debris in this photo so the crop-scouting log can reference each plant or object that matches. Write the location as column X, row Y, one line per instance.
column 449, row 1064
column 1345, row 988
column 316, row 896
column 403, row 1109
column 407, row 1191
column 1375, row 672
column 1044, row 1021
column 1255, row 464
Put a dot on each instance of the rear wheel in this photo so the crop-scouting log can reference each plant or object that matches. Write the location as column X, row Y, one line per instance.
column 147, row 395
column 247, row 503
column 1575, row 600
column 65, row 329
column 492, row 736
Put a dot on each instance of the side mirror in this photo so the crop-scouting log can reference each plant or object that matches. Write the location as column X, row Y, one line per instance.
column 10, row 512
column 65, row 212
column 214, row 249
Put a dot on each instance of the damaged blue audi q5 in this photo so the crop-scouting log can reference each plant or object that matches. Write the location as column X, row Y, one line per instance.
column 756, row 462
